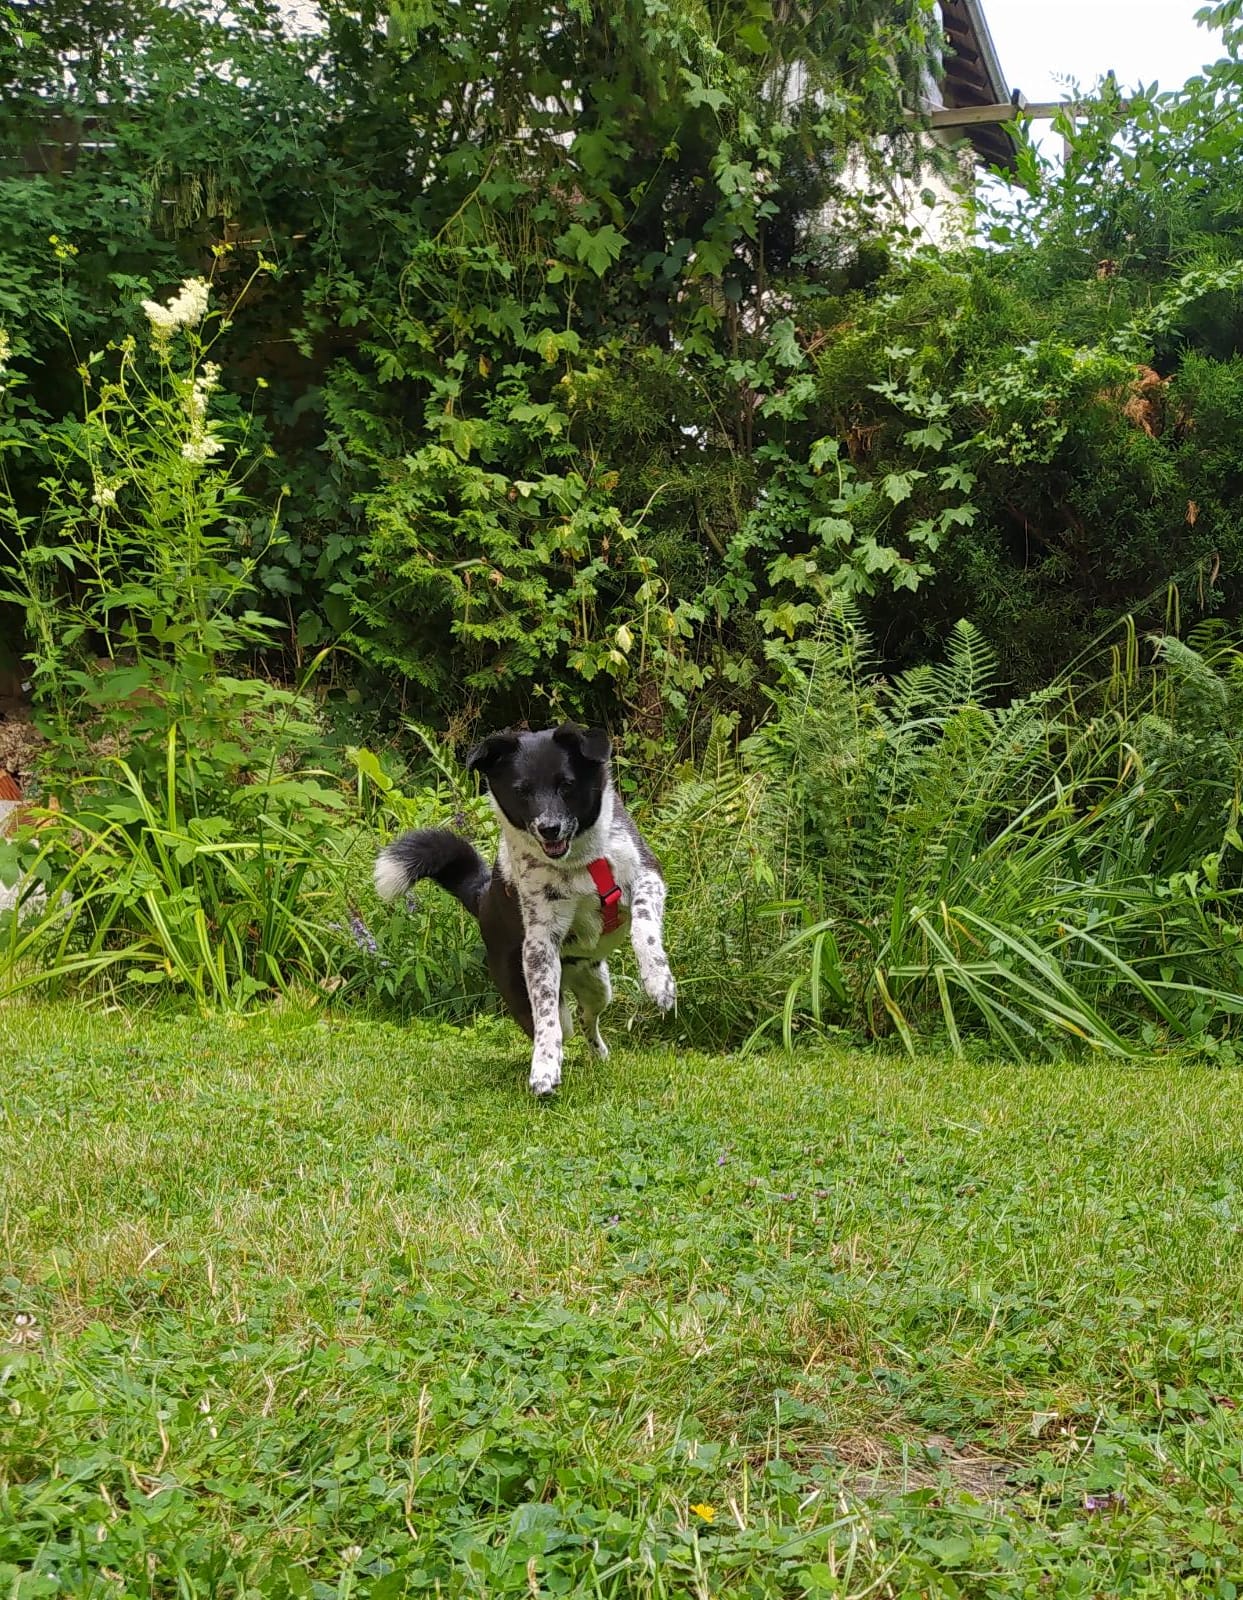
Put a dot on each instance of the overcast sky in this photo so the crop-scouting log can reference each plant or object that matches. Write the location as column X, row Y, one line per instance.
column 1039, row 41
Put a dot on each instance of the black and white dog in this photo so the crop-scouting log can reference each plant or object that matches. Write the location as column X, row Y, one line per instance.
column 572, row 874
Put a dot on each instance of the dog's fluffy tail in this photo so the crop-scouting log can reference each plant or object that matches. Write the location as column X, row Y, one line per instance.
column 434, row 853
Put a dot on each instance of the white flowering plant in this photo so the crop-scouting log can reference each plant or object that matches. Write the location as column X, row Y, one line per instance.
column 138, row 579
column 187, row 837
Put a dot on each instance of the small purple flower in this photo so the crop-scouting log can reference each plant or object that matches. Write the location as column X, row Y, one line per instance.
column 411, row 903
column 613, row 1220
column 721, row 1160
column 363, row 936
column 1111, row 1500
column 791, row 1196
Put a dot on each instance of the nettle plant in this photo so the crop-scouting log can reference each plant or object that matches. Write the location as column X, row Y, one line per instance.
column 186, row 838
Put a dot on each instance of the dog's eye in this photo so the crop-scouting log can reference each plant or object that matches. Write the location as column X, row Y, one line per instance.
column 523, row 791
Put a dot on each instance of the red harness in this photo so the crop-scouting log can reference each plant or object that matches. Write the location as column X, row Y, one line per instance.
column 610, row 894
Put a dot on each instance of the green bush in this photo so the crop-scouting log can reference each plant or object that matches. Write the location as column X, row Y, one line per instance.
column 519, row 387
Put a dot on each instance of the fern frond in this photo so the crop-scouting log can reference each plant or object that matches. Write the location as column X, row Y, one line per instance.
column 969, row 674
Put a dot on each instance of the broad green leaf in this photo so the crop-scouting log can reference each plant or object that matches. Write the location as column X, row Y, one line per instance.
column 899, row 485
column 783, row 344
column 597, row 251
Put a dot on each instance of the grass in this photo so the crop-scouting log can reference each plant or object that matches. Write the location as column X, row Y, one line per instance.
column 295, row 1309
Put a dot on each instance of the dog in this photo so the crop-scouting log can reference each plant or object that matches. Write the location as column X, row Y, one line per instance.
column 573, row 875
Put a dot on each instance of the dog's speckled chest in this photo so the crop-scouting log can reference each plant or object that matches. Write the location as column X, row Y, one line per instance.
column 552, row 898
column 585, row 937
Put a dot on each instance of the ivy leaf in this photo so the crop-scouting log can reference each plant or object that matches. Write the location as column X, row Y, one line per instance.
column 596, row 150
column 799, row 570
column 787, row 618
column 832, row 530
column 463, row 434
column 368, row 763
column 598, row 250
column 924, row 532
column 698, row 93
column 906, row 577
column 391, row 368
column 711, row 258
column 732, row 177
column 898, row 485
column 784, row 344
column 933, row 437
column 956, row 476
column 545, row 414
column 877, row 557
column 549, row 343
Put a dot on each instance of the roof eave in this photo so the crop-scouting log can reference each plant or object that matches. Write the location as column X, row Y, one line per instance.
column 988, row 50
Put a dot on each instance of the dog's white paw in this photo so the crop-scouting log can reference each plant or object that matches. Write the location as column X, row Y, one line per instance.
column 599, row 1046
column 661, row 987
column 545, row 1077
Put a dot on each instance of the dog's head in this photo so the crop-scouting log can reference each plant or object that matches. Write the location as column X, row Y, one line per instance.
column 550, row 784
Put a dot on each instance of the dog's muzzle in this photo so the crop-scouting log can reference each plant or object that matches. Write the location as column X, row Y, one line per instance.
column 553, row 840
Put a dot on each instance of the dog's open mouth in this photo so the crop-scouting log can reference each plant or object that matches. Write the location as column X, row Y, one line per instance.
column 555, row 847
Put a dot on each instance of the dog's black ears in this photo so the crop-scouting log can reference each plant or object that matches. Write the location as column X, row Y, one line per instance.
column 488, row 755
column 592, row 744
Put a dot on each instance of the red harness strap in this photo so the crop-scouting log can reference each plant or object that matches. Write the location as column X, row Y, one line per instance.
column 610, row 894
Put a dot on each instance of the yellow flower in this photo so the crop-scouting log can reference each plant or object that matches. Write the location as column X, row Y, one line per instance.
column 708, row 1513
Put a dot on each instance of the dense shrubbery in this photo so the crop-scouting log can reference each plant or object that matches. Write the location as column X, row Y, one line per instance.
column 520, row 333
column 581, row 399
column 531, row 404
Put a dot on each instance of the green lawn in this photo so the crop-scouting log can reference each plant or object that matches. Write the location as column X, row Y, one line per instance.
column 296, row 1309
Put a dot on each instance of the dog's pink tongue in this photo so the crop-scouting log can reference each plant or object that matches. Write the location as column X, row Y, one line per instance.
column 555, row 847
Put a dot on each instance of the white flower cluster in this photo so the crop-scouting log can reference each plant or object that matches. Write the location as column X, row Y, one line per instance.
column 187, row 307
column 202, row 443
column 105, row 493
column 6, row 350
column 202, row 448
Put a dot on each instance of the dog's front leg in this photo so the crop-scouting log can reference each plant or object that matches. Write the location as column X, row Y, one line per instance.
column 647, row 923
column 541, row 966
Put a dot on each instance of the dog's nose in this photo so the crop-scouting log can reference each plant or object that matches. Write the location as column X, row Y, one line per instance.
column 548, row 830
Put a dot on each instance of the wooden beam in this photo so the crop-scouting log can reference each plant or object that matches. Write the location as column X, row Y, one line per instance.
column 1037, row 111
column 966, row 87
